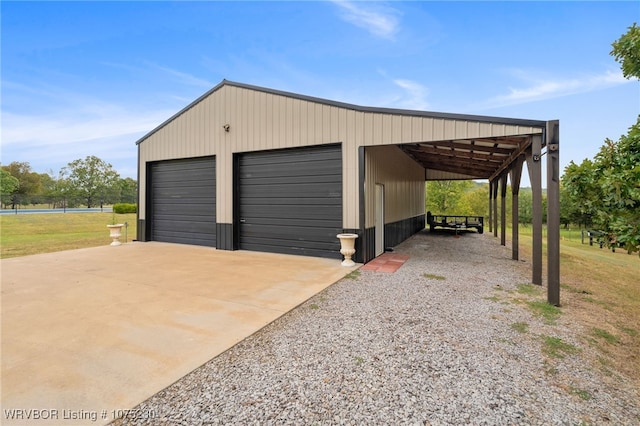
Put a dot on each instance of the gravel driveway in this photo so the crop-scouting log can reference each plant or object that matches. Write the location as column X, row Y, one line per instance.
column 447, row 339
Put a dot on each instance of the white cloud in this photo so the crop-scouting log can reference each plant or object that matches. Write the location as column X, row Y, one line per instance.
column 71, row 126
column 48, row 142
column 377, row 19
column 185, row 78
column 541, row 89
column 415, row 95
column 68, row 128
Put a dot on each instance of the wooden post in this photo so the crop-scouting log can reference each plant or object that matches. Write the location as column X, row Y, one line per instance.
column 553, row 212
column 515, row 175
column 535, row 176
column 503, row 209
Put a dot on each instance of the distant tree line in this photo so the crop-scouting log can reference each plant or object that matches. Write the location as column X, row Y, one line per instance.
column 89, row 182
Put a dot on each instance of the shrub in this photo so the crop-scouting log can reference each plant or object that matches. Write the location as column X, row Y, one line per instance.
column 123, row 208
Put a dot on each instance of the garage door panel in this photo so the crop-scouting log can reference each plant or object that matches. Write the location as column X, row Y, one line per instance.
column 294, row 156
column 312, row 234
column 320, row 185
column 292, row 191
column 197, row 239
column 256, row 213
column 265, row 201
column 173, row 210
column 187, row 176
column 310, row 169
column 186, row 202
column 285, row 248
column 183, row 221
column 264, row 180
column 297, row 222
column 170, row 225
column 190, row 175
column 178, row 186
column 183, row 201
column 291, row 201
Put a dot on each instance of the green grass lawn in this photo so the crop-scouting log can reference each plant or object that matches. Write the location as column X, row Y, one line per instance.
column 25, row 234
column 600, row 290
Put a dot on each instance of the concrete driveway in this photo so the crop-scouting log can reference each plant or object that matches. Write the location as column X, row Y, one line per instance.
column 88, row 332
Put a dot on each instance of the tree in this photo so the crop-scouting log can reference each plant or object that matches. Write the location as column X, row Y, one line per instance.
column 477, row 200
column 617, row 167
column 29, row 182
column 55, row 189
column 568, row 210
column 128, row 190
column 92, row 179
column 8, row 185
column 525, row 206
column 444, row 196
column 626, row 50
column 582, row 192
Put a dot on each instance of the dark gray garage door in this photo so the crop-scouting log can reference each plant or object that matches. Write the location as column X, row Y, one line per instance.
column 183, row 201
column 290, row 201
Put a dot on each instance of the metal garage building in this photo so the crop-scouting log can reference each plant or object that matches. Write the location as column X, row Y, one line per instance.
column 246, row 167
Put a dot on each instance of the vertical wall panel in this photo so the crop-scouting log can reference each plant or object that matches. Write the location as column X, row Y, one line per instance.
column 449, row 129
column 311, row 122
column 387, row 129
column 334, row 126
column 403, row 179
column 473, row 128
column 461, row 128
column 438, row 129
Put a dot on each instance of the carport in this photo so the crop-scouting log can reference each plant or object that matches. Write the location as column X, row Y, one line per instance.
column 499, row 160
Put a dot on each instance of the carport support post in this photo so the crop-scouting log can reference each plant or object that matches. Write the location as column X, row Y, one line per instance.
column 535, row 176
column 516, row 174
column 553, row 212
column 495, row 208
column 491, row 183
column 503, row 209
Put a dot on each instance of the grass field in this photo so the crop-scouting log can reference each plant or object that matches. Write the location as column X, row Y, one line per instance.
column 600, row 292
column 25, row 234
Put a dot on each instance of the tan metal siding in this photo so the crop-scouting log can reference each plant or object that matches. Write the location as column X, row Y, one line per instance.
column 403, row 181
column 260, row 121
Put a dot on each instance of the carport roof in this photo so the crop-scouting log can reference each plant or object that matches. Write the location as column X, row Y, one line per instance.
column 478, row 158
column 482, row 158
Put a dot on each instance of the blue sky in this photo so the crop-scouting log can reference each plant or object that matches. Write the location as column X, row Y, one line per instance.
column 90, row 78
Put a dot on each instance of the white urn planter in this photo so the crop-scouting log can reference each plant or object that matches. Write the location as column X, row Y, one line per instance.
column 115, row 231
column 347, row 248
